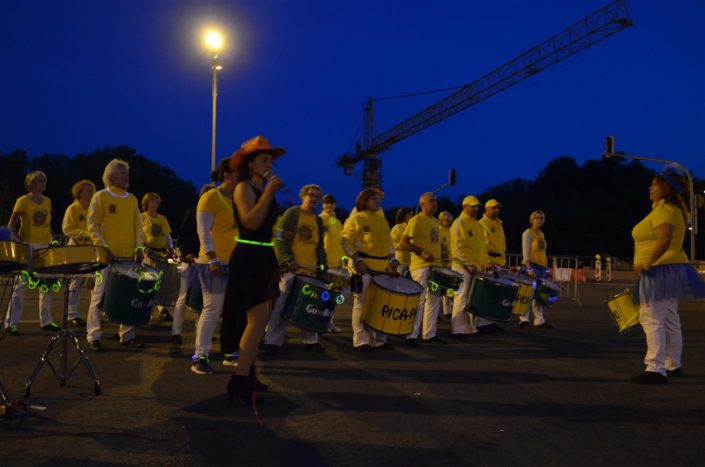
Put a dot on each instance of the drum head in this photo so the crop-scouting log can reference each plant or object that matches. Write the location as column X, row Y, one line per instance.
column 399, row 285
column 136, row 270
column 550, row 285
column 497, row 280
column 448, row 272
column 522, row 280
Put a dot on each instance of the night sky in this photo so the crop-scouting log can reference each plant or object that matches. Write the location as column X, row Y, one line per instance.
column 80, row 75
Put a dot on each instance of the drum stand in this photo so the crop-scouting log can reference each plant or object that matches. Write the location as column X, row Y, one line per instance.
column 63, row 335
column 4, row 397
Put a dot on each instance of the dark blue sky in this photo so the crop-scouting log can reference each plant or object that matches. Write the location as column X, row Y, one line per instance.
column 84, row 74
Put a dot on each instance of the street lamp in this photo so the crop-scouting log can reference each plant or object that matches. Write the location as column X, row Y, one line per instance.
column 213, row 40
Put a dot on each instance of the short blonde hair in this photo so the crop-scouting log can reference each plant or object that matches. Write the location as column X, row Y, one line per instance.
column 306, row 188
column 149, row 197
column 110, row 168
column 78, row 186
column 32, row 177
column 536, row 213
column 445, row 215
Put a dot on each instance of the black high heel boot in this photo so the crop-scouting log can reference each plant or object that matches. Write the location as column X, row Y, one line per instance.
column 241, row 386
column 259, row 386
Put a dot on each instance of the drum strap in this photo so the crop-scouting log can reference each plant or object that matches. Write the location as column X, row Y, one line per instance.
column 365, row 255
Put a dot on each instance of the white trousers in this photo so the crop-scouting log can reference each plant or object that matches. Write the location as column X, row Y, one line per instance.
column 213, row 298
column 93, row 320
column 664, row 339
column 362, row 334
column 462, row 322
column 429, row 305
column 17, row 300
column 75, row 285
column 276, row 328
column 537, row 309
column 187, row 274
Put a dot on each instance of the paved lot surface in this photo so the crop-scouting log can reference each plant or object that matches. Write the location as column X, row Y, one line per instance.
column 558, row 397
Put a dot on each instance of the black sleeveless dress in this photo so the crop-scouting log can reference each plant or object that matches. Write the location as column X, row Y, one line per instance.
column 253, row 279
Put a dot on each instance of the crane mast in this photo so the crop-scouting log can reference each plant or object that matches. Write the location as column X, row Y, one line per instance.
column 585, row 33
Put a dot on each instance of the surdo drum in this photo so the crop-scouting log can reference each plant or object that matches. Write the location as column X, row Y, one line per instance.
column 624, row 312
column 444, row 282
column 129, row 292
column 491, row 298
column 310, row 304
column 391, row 304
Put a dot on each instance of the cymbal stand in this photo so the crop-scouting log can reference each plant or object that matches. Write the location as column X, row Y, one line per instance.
column 63, row 336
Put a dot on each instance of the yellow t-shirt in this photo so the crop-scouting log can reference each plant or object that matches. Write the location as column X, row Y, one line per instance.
column 155, row 231
column 424, row 233
column 305, row 244
column 445, row 245
column 368, row 233
column 402, row 255
column 114, row 221
column 644, row 235
column 468, row 244
column 497, row 243
column 223, row 231
column 75, row 224
column 332, row 232
column 35, row 219
column 537, row 247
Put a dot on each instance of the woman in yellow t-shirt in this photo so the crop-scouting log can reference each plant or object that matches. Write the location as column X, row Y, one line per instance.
column 156, row 234
column 533, row 249
column 402, row 255
column 33, row 212
column 664, row 276
column 445, row 219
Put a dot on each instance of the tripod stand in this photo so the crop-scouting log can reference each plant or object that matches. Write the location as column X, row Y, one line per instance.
column 4, row 398
column 63, row 336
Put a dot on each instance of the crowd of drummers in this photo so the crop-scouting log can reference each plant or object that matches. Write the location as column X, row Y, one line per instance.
column 402, row 280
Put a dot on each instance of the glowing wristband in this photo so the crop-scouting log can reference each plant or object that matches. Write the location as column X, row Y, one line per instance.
column 139, row 248
column 213, row 261
column 344, row 258
column 252, row 242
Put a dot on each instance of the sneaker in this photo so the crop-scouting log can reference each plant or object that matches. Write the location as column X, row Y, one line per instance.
column 134, row 343
column 230, row 359
column 176, row 339
column 96, row 346
column 315, row 348
column 363, row 348
column 544, row 326
column 271, row 349
column 649, row 377
column 525, row 325
column 385, row 346
column 77, row 323
column 13, row 330
column 51, row 327
column 434, row 340
column 165, row 316
column 412, row 342
column 201, row 366
column 677, row 373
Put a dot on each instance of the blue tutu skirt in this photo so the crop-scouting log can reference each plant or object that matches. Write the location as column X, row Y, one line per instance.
column 668, row 281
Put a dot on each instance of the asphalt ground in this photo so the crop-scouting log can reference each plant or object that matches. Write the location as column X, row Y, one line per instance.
column 558, row 397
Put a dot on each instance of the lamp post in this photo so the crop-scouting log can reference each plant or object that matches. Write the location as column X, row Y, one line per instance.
column 609, row 152
column 213, row 41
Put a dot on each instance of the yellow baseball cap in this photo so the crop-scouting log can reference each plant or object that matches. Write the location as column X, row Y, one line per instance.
column 492, row 203
column 471, row 201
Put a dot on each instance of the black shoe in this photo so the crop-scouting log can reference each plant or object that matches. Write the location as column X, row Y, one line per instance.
column 176, row 339
column 165, row 316
column 677, row 373
column 434, row 340
column 51, row 327
column 133, row 343
column 544, row 326
column 315, row 348
column 385, row 346
column 525, row 325
column 96, row 346
column 271, row 349
column 460, row 337
column 77, row 323
column 412, row 342
column 649, row 377
column 241, row 386
column 489, row 329
column 363, row 348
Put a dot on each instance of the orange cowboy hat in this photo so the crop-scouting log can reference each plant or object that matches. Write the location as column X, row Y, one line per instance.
column 254, row 146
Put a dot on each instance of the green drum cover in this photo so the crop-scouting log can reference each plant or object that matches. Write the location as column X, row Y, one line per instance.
column 129, row 293
column 310, row 305
column 491, row 298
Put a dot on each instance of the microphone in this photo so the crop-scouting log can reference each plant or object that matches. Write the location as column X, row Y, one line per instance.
column 609, row 146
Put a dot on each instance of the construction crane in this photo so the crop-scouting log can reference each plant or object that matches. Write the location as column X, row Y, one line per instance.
column 590, row 30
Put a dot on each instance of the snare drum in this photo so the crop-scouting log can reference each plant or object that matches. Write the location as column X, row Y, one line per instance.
column 491, row 298
column 310, row 305
column 129, row 292
column 13, row 256
column 525, row 293
column 391, row 304
column 339, row 277
column 74, row 259
column 444, row 282
column 546, row 292
column 168, row 291
column 624, row 312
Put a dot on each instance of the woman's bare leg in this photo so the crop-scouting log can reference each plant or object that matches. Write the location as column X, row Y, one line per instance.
column 257, row 318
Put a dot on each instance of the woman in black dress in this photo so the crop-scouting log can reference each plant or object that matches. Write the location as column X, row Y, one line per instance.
column 254, row 274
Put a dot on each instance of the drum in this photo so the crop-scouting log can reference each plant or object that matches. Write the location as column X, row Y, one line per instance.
column 74, row 259
column 194, row 298
column 444, row 282
column 525, row 293
column 625, row 313
column 391, row 304
column 491, row 298
column 310, row 305
column 129, row 292
column 13, row 256
column 546, row 292
column 168, row 291
column 339, row 277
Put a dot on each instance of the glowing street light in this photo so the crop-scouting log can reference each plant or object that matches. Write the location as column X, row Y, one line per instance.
column 214, row 41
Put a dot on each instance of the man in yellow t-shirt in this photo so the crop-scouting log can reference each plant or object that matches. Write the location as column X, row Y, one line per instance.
column 299, row 247
column 113, row 222
column 494, row 233
column 469, row 253
column 421, row 237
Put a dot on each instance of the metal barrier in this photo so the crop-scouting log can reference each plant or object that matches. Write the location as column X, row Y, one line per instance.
column 567, row 272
